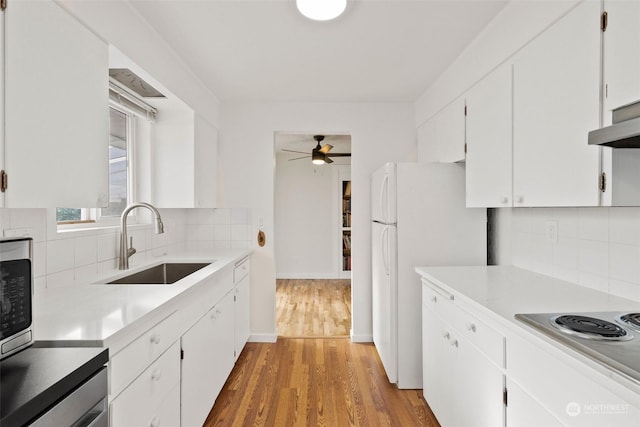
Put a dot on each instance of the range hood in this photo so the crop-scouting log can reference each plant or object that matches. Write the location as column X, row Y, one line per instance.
column 623, row 133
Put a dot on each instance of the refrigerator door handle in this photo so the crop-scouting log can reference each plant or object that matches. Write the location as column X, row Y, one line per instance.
column 385, row 251
column 384, row 196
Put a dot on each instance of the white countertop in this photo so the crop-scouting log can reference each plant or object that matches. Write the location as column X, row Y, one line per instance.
column 505, row 291
column 93, row 314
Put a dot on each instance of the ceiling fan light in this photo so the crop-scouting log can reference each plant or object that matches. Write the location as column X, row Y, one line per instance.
column 317, row 158
column 321, row 10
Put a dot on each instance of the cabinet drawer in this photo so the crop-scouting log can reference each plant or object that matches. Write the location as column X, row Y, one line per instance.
column 241, row 270
column 487, row 340
column 438, row 300
column 134, row 358
column 142, row 402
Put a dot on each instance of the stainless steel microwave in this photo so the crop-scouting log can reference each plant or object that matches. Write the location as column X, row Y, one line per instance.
column 16, row 295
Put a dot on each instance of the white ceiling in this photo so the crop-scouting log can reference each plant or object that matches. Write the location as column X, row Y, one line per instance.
column 264, row 50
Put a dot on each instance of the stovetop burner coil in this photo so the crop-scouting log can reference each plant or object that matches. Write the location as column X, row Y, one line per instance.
column 590, row 327
column 630, row 319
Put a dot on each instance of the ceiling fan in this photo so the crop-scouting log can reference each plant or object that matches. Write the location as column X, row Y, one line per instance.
column 319, row 155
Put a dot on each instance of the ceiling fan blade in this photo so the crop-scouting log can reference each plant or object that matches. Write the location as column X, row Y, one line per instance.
column 298, row 158
column 326, row 148
column 328, row 160
column 294, row 151
column 339, row 154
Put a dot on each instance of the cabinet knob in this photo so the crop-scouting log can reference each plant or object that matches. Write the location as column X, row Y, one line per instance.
column 155, row 338
column 471, row 327
column 155, row 422
column 434, row 298
column 454, row 343
column 520, row 199
column 504, row 199
column 156, row 374
column 446, row 335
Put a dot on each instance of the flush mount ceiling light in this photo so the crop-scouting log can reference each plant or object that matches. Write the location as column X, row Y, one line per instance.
column 321, row 10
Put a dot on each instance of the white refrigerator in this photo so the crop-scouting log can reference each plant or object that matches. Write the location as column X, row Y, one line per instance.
column 418, row 218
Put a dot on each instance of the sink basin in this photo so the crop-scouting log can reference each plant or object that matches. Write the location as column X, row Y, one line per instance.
column 162, row 274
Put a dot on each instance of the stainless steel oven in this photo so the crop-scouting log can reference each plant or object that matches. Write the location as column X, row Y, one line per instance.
column 16, row 292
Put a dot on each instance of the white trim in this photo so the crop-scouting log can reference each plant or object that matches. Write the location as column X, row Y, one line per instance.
column 361, row 338
column 268, row 338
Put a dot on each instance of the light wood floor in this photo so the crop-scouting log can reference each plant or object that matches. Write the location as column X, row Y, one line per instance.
column 315, row 382
column 313, row 308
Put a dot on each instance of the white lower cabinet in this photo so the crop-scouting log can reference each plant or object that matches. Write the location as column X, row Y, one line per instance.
column 242, row 305
column 524, row 411
column 151, row 399
column 562, row 391
column 461, row 384
column 208, row 357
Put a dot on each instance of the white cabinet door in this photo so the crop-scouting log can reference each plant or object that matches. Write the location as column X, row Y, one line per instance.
column 489, row 140
column 524, row 411
column 621, row 55
column 56, row 109
column 242, row 314
column 206, row 164
column 441, row 139
column 556, row 103
column 437, row 366
column 476, row 377
column 186, row 145
column 207, row 361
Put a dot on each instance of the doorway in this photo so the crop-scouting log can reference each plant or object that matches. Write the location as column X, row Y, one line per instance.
column 313, row 281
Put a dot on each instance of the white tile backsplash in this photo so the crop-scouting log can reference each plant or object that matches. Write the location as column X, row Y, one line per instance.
column 597, row 247
column 81, row 257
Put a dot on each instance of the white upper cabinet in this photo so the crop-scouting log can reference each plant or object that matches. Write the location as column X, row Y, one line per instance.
column 441, row 138
column 556, row 103
column 489, row 140
column 621, row 55
column 206, row 164
column 185, row 160
column 56, row 109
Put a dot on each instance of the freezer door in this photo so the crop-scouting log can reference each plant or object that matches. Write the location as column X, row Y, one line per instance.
column 383, row 194
column 384, row 297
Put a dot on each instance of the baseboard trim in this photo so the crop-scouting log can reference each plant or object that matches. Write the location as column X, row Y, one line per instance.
column 361, row 338
column 269, row 338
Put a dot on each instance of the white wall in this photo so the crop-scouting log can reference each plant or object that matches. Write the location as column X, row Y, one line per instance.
column 379, row 133
column 306, row 220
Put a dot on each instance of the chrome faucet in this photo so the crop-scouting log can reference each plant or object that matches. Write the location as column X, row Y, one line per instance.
column 127, row 250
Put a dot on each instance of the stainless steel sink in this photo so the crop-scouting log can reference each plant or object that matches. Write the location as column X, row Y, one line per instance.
column 162, row 274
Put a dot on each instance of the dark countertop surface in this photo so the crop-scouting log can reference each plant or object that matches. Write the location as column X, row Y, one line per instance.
column 34, row 379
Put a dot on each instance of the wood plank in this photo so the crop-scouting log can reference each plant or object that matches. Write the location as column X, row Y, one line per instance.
column 313, row 307
column 315, row 382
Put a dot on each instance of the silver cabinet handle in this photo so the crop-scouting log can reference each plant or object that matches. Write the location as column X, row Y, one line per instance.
column 446, row 335
column 434, row 299
column 156, row 374
column 471, row 327
column 454, row 343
